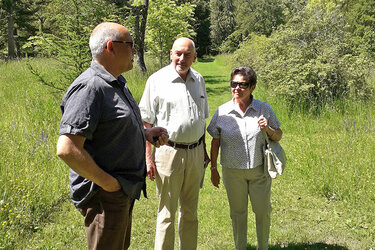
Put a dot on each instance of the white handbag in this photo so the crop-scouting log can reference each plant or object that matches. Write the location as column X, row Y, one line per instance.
column 274, row 155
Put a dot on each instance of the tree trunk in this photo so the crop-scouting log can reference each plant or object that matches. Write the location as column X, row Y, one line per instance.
column 140, row 14
column 11, row 42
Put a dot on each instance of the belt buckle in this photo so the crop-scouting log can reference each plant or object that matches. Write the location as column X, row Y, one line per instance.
column 191, row 146
column 172, row 144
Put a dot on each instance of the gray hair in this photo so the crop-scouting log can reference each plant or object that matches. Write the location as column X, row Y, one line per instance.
column 101, row 35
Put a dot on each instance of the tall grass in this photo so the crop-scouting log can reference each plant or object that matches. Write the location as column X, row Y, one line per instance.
column 324, row 200
column 31, row 176
column 327, row 192
column 34, row 181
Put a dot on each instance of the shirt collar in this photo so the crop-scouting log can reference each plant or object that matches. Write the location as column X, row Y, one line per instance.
column 106, row 76
column 175, row 77
column 231, row 107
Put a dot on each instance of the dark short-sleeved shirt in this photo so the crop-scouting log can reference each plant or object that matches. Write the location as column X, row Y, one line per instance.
column 101, row 108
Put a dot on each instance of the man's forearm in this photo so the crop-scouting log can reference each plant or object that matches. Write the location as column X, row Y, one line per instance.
column 70, row 150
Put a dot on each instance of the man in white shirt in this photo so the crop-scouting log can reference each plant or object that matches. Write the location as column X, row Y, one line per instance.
column 175, row 98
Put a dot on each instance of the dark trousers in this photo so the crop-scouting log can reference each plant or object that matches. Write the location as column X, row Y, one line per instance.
column 108, row 219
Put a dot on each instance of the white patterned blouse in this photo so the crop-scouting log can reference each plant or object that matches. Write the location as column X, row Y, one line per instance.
column 241, row 139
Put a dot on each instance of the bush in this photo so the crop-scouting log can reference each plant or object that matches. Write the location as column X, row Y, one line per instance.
column 311, row 60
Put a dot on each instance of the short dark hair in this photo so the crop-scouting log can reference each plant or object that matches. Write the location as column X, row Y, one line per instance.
column 247, row 73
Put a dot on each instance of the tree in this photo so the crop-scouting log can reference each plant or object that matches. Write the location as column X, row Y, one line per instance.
column 135, row 13
column 312, row 60
column 201, row 26
column 19, row 16
column 361, row 18
column 140, row 13
column 222, row 22
column 73, row 21
column 258, row 16
column 166, row 22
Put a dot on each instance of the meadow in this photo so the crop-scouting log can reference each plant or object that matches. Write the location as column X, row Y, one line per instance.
column 324, row 200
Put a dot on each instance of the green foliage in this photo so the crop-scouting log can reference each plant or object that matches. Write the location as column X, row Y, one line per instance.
column 167, row 21
column 17, row 19
column 323, row 200
column 232, row 43
column 34, row 181
column 27, row 148
column 293, row 7
column 258, row 16
column 361, row 16
column 251, row 51
column 222, row 22
column 68, row 42
column 311, row 60
column 201, row 25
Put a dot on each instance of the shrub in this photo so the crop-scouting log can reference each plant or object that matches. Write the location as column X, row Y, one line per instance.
column 311, row 60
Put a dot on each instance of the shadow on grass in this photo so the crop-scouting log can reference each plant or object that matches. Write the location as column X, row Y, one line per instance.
column 217, row 91
column 206, row 59
column 303, row 246
column 215, row 79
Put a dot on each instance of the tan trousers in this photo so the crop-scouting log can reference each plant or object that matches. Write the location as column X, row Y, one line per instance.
column 178, row 178
column 241, row 184
column 108, row 219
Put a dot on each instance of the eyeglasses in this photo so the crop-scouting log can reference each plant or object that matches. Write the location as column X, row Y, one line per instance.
column 242, row 85
column 126, row 42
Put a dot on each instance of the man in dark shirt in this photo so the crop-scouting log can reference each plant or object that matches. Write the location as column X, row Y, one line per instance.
column 103, row 141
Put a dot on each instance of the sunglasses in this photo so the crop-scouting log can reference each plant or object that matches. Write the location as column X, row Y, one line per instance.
column 242, row 85
column 125, row 42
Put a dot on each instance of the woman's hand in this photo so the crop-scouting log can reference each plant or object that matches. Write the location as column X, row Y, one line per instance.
column 273, row 134
column 262, row 122
column 215, row 177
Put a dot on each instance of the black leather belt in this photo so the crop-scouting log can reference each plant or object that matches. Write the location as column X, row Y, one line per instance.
column 185, row 146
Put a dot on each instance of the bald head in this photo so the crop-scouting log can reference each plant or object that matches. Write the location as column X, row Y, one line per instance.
column 103, row 33
column 185, row 42
column 183, row 55
column 112, row 47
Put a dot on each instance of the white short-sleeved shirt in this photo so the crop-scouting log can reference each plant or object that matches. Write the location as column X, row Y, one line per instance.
column 241, row 139
column 178, row 106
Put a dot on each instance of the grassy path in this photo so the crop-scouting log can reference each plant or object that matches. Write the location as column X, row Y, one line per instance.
column 325, row 199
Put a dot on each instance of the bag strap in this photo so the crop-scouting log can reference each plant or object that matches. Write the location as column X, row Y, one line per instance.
column 263, row 131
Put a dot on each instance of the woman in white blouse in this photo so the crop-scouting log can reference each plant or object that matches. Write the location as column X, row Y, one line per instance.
column 236, row 128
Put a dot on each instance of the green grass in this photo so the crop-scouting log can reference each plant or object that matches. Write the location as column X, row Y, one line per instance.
column 324, row 200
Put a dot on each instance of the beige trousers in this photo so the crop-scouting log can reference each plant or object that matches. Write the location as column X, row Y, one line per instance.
column 241, row 184
column 178, row 178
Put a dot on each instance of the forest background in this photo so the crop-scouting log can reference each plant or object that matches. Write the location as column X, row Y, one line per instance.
column 315, row 61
